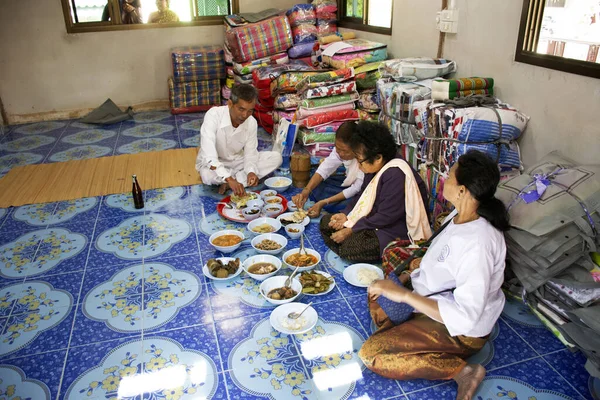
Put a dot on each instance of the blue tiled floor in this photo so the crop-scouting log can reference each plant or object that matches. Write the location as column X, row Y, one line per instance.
column 117, row 300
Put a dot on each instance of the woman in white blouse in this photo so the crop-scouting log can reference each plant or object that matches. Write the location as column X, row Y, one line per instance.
column 466, row 260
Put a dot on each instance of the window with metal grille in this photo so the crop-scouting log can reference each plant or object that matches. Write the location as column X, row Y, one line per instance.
column 561, row 34
column 366, row 15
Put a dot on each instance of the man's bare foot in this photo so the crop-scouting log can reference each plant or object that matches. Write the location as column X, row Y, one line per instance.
column 223, row 188
column 468, row 380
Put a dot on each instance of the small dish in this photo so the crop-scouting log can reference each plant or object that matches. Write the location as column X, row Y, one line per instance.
column 272, row 210
column 294, row 235
column 280, row 314
column 292, row 206
column 224, row 260
column 276, row 282
column 268, row 193
column 251, row 213
column 226, row 249
column 281, row 240
column 326, row 275
column 255, row 203
column 272, row 200
column 350, row 274
column 261, row 258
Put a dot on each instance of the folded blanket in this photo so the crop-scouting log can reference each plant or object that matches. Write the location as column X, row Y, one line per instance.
column 282, row 114
column 328, row 128
column 321, row 102
column 337, row 37
column 455, row 85
column 308, row 136
column 263, row 76
column 262, row 39
column 287, row 101
column 242, row 79
column 332, row 90
column 313, row 121
column 197, row 63
column 445, row 95
column 369, row 102
column 367, row 76
column 416, row 69
column 303, row 49
column 325, row 79
column 287, row 81
column 186, row 95
column 301, row 14
column 325, row 27
column 305, row 112
column 249, row 66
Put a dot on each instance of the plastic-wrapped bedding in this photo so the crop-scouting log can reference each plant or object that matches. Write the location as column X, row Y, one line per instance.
column 259, row 40
column 417, row 68
column 313, row 121
column 249, row 66
column 325, row 79
column 198, row 63
column 325, row 27
column 283, row 114
column 308, row 136
column 262, row 77
column 302, row 14
column 304, row 33
column 369, row 102
column 331, row 90
column 320, row 150
column 367, row 75
column 360, row 52
column 303, row 113
column 321, row 102
column 242, row 79
column 186, row 97
column 287, row 101
column 303, row 49
column 287, row 81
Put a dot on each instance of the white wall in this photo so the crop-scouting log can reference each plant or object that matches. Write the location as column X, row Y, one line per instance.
column 564, row 108
column 47, row 73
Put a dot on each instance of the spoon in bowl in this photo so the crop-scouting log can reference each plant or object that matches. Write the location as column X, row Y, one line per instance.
column 295, row 315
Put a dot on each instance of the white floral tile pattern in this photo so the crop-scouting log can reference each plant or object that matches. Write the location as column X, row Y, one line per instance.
column 146, row 145
column 81, row 153
column 40, row 127
column 38, row 308
column 154, row 199
column 88, row 136
column 193, row 141
column 14, row 385
column 48, row 214
column 28, row 143
column 137, row 237
column 127, row 302
column 165, row 370
column 39, row 251
column 147, row 130
column 194, row 125
column 214, row 223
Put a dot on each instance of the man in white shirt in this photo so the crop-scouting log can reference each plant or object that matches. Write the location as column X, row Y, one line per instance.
column 341, row 154
column 229, row 154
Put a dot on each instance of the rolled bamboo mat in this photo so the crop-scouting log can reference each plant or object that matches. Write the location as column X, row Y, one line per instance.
column 46, row 183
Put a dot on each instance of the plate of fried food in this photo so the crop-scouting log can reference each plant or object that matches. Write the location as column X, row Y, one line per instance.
column 296, row 217
column 222, row 269
column 316, row 283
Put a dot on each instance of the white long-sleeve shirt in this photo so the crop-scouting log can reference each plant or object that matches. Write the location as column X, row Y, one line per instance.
column 332, row 163
column 471, row 258
column 223, row 147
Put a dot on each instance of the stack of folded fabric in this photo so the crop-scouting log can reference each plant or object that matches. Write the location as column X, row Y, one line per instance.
column 303, row 20
column 462, row 87
column 359, row 52
column 326, row 100
column 366, row 82
column 397, row 101
column 554, row 212
column 257, row 44
column 326, row 11
column 195, row 85
column 486, row 124
column 229, row 79
column 262, row 77
column 416, row 68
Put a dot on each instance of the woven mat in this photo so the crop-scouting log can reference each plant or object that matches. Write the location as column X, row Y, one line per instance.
column 45, row 183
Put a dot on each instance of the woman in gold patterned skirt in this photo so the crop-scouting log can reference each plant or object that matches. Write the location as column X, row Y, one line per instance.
column 465, row 263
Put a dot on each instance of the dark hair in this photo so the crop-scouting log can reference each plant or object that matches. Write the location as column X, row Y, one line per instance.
column 245, row 92
column 371, row 139
column 480, row 175
column 345, row 131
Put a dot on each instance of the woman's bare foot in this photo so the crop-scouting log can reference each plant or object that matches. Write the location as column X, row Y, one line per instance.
column 468, row 380
column 223, row 188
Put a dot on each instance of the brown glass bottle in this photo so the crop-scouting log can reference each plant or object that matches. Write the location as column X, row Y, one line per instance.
column 136, row 193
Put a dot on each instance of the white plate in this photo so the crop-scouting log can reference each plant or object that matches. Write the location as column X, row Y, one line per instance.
column 326, row 275
column 224, row 260
column 304, row 222
column 350, row 273
column 282, row 312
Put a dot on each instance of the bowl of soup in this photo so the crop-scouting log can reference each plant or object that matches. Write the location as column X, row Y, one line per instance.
column 305, row 261
column 274, row 291
column 262, row 266
column 226, row 241
column 272, row 210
